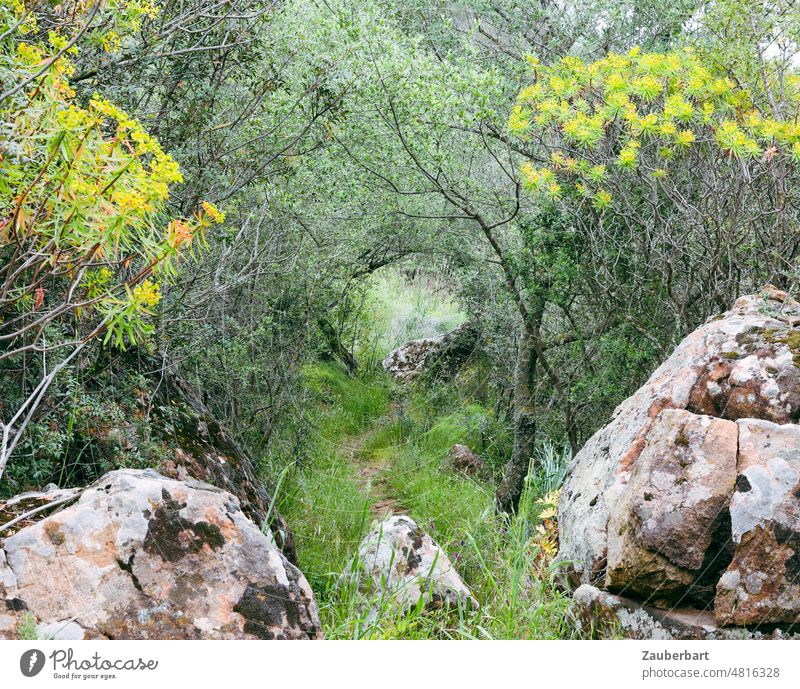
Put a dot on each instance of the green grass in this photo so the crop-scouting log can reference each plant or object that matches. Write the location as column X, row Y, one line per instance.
column 348, row 404
column 401, row 309
column 498, row 559
column 322, row 501
column 409, row 430
column 27, row 629
column 329, row 516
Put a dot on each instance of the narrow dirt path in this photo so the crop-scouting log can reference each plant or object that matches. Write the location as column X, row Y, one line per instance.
column 371, row 468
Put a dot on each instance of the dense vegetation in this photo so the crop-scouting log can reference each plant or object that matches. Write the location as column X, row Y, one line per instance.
column 266, row 197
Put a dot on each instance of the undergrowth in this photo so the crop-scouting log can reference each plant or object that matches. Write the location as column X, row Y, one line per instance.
column 409, row 430
column 502, row 561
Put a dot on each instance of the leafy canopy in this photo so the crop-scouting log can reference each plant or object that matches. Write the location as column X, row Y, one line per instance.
column 83, row 191
column 640, row 111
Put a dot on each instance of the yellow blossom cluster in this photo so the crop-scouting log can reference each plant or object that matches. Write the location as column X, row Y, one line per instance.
column 620, row 106
column 146, row 294
column 96, row 184
column 213, row 212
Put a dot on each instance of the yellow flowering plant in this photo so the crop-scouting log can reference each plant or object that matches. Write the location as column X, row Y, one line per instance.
column 85, row 234
column 83, row 193
column 638, row 112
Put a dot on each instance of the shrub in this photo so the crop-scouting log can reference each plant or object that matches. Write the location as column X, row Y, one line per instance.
column 85, row 237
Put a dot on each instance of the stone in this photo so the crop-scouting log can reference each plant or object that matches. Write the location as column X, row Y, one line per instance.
column 742, row 364
column 762, row 582
column 600, row 614
column 407, row 361
column 465, row 460
column 439, row 357
column 65, row 630
column 142, row 556
column 398, row 561
column 673, row 505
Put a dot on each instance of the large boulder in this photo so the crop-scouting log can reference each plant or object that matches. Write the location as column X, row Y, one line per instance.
column 762, row 582
column 661, row 501
column 399, row 562
column 141, row 556
column 676, row 497
column 439, row 357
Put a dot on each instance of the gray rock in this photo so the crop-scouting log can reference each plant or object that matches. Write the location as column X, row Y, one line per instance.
column 400, row 563
column 762, row 583
column 68, row 630
column 440, row 356
column 602, row 614
column 140, row 556
column 407, row 361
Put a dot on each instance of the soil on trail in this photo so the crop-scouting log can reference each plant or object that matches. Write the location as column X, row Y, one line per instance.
column 372, row 467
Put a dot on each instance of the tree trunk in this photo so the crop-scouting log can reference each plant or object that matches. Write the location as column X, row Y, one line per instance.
column 510, row 489
column 336, row 346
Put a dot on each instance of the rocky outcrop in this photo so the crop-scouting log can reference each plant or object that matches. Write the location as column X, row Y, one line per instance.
column 141, row 556
column 762, row 582
column 400, row 563
column 602, row 614
column 436, row 356
column 464, row 460
column 691, row 494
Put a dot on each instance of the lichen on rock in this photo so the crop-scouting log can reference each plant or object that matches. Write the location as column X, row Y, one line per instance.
column 141, row 556
column 690, row 494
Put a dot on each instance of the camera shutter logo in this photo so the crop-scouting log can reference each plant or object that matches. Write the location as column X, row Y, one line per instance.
column 31, row 662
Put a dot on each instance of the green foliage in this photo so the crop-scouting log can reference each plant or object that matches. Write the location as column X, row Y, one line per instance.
column 100, row 415
column 85, row 234
column 400, row 309
column 639, row 111
column 350, row 403
column 756, row 41
column 83, row 189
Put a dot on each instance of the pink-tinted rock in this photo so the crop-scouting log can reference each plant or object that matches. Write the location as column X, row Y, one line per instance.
column 140, row 556
column 673, row 505
column 739, row 365
column 762, row 583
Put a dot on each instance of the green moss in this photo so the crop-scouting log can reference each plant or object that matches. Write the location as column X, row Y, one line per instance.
column 792, row 341
column 790, row 338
